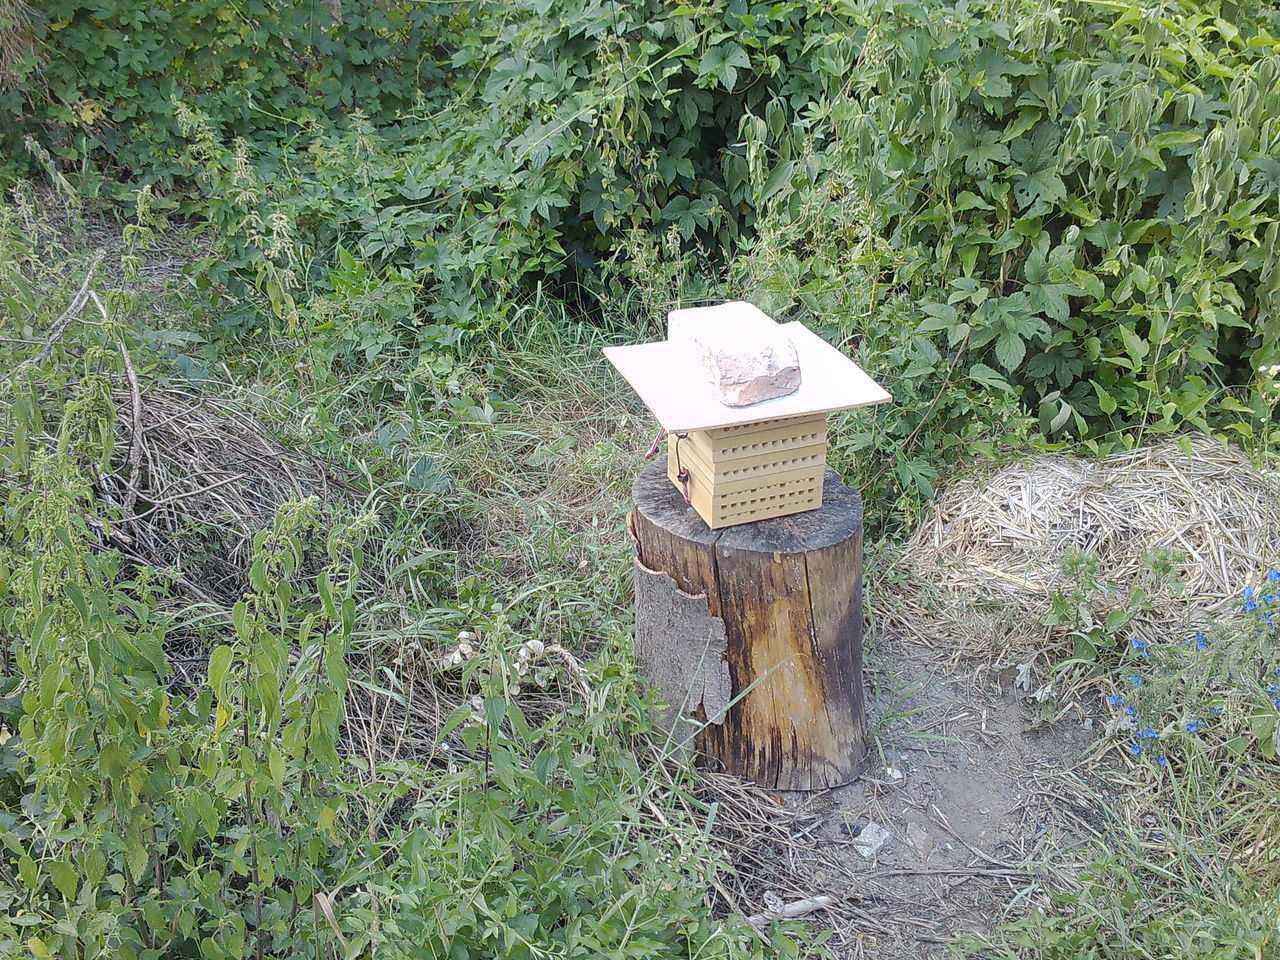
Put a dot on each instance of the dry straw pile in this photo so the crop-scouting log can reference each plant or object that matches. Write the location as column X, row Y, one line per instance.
column 201, row 477
column 977, row 578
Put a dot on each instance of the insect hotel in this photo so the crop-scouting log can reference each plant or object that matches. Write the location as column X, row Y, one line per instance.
column 749, row 547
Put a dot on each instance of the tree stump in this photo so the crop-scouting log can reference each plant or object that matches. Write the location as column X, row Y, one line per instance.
column 753, row 633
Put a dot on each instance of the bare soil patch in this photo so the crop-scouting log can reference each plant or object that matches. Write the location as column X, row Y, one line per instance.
column 987, row 808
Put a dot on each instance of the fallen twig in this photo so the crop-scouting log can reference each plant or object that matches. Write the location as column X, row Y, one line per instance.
column 62, row 324
column 793, row 910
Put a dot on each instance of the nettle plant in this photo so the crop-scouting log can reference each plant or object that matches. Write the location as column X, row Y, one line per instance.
column 224, row 824
column 137, row 823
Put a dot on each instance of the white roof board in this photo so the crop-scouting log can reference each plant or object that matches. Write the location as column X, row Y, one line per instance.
column 724, row 319
column 673, row 383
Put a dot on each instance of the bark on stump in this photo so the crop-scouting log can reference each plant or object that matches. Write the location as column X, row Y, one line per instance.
column 754, row 633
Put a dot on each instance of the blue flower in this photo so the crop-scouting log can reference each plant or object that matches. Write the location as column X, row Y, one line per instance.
column 1135, row 680
column 1276, row 703
column 1131, row 710
column 1135, row 748
column 1162, row 760
column 1217, row 711
column 1115, row 700
column 1146, row 733
column 1273, row 688
column 1194, row 726
column 1269, row 598
column 1249, row 593
column 1250, row 605
column 1273, row 576
column 1140, row 646
column 1202, row 642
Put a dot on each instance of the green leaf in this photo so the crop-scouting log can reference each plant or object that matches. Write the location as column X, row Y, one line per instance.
column 76, row 596
column 941, row 316
column 94, row 864
column 1106, row 402
column 723, row 62
column 456, row 718
column 275, row 764
column 136, row 858
column 28, row 873
column 427, row 476
column 779, row 177
column 917, row 475
column 64, row 878
column 219, row 662
column 1060, row 418
column 1010, row 350
column 982, row 374
column 1051, row 299
column 1039, row 185
column 495, row 711
column 1134, row 345
column 1038, row 158
column 240, row 618
column 968, row 200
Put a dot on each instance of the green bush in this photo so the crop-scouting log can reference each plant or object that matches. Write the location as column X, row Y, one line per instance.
column 1079, row 202
column 558, row 131
column 1034, row 222
column 136, row 822
column 97, row 80
column 1083, row 196
column 139, row 824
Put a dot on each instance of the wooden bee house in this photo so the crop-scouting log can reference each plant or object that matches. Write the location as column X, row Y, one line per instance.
column 748, row 548
column 738, row 459
column 750, row 471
